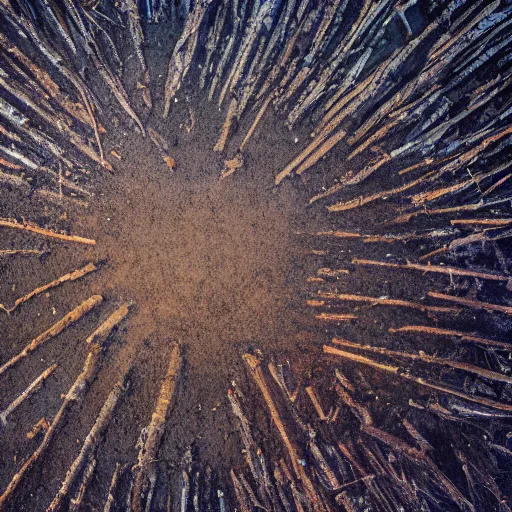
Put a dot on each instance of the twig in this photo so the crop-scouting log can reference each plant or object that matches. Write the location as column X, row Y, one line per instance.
column 472, row 303
column 385, row 302
column 226, row 127
column 335, row 317
column 72, row 276
column 76, row 502
column 8, row 252
column 29, row 226
column 25, row 395
column 440, row 269
column 72, row 317
column 112, row 488
column 396, row 370
column 75, row 395
column 463, row 336
column 90, row 445
column 316, row 404
column 421, row 356
column 481, row 222
column 41, row 425
column 145, row 469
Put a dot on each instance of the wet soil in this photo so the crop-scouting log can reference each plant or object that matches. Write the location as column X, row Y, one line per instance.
column 219, row 266
column 214, row 265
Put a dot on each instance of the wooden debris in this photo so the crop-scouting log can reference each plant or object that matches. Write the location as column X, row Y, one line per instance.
column 312, row 159
column 476, row 304
column 316, row 404
column 335, row 317
column 294, row 451
column 41, row 426
column 396, row 370
column 382, row 301
column 230, row 166
column 72, row 276
column 481, row 222
column 277, row 374
column 90, row 446
column 132, row 9
column 439, row 269
column 76, row 502
column 75, row 395
column 112, row 488
column 13, row 252
column 164, row 147
column 34, row 228
column 462, row 336
column 385, row 194
column 231, row 114
column 328, row 272
column 421, row 356
column 67, row 320
column 403, row 448
column 182, row 54
column 145, row 471
column 26, row 394
column 100, row 335
column 256, row 122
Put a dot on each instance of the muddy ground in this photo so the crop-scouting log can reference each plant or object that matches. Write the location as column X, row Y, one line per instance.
column 219, row 266
column 216, row 266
